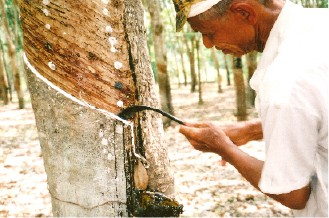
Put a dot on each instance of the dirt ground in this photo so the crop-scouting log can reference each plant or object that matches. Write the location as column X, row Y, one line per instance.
column 204, row 187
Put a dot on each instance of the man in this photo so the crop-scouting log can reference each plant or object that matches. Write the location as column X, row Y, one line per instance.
column 291, row 82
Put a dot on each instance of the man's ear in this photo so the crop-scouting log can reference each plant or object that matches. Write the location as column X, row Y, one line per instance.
column 245, row 11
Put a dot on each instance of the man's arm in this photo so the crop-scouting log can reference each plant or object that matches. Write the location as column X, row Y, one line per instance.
column 242, row 132
column 251, row 168
column 210, row 138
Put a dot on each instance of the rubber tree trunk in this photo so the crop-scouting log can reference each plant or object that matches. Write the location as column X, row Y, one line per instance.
column 197, row 47
column 160, row 52
column 191, row 54
column 252, row 65
column 181, row 53
column 84, row 60
column 3, row 81
column 216, row 64
column 177, row 68
column 12, row 57
column 227, row 59
column 240, row 90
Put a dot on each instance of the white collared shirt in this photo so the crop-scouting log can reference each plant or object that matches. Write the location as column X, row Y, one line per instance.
column 291, row 82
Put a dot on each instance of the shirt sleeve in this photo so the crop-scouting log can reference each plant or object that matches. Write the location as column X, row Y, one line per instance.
column 290, row 129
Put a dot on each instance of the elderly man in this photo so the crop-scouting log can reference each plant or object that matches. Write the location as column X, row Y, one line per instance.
column 291, row 82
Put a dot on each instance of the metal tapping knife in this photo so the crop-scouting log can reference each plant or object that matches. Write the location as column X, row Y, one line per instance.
column 131, row 110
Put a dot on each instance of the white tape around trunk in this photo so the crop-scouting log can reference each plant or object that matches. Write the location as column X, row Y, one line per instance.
column 201, row 7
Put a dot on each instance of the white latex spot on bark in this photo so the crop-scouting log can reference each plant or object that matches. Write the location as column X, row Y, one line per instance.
column 105, row 11
column 104, row 141
column 45, row 2
column 118, row 65
column 108, row 29
column 120, row 103
column 45, row 11
column 51, row 65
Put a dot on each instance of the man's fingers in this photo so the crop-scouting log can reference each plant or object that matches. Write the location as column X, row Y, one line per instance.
column 199, row 146
column 197, row 125
column 188, row 131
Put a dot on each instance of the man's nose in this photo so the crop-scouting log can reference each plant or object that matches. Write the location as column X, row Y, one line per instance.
column 207, row 41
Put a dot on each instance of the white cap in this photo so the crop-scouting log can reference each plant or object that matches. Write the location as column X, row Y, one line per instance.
column 201, row 7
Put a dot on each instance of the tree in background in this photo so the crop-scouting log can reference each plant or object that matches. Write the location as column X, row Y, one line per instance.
column 240, row 89
column 84, row 61
column 227, row 59
column 313, row 3
column 4, row 85
column 217, row 67
column 190, row 43
column 182, row 59
column 252, row 65
column 197, row 48
column 10, row 40
column 160, row 52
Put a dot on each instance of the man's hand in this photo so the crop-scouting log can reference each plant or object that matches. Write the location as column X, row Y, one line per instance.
column 223, row 140
column 206, row 137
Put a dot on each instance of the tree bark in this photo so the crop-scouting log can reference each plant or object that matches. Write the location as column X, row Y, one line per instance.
column 219, row 77
column 3, row 81
column 197, row 46
column 160, row 52
column 191, row 55
column 83, row 152
column 11, row 52
column 83, row 61
column 240, row 90
column 252, row 65
column 181, row 53
column 228, row 79
column 177, row 68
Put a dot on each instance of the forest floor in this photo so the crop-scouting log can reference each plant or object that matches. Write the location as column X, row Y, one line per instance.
column 203, row 186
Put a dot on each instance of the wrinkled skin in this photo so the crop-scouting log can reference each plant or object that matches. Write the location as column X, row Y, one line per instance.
column 209, row 137
column 245, row 27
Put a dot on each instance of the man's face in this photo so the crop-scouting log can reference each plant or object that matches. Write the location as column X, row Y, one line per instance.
column 230, row 33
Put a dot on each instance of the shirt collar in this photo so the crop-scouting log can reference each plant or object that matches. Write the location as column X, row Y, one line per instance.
column 274, row 40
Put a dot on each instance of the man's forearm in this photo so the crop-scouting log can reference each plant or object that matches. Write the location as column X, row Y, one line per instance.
column 224, row 141
column 254, row 129
column 242, row 132
column 251, row 169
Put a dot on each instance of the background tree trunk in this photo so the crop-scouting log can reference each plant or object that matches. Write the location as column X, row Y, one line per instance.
column 3, row 81
column 12, row 57
column 181, row 53
column 93, row 59
column 191, row 55
column 160, row 52
column 240, row 90
column 216, row 64
column 177, row 68
column 226, row 60
column 252, row 65
column 197, row 47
